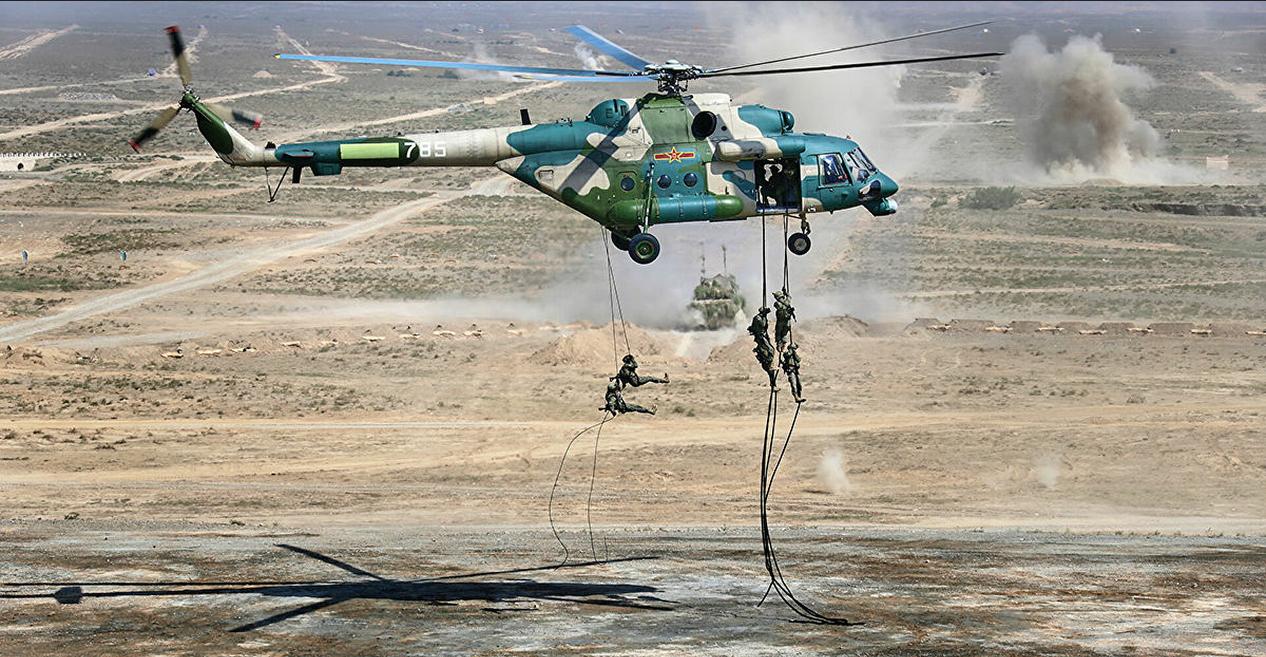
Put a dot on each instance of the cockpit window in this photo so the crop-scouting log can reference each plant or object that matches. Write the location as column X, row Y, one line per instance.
column 859, row 165
column 832, row 165
column 865, row 160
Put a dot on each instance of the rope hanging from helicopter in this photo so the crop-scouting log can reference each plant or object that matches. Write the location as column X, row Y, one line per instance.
column 769, row 466
column 608, row 414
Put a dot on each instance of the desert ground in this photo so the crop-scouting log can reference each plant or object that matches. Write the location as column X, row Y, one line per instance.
column 333, row 424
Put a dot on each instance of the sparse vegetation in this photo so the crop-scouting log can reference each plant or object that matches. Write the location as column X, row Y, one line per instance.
column 991, row 198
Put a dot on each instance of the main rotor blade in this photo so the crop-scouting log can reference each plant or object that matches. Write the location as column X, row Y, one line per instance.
column 178, row 53
column 907, row 37
column 608, row 47
column 833, row 67
column 153, row 128
column 626, row 79
column 467, row 66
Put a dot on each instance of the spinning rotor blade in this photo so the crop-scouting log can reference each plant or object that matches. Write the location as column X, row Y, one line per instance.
column 834, row 67
column 608, row 47
column 153, row 128
column 244, row 117
column 178, row 52
column 586, row 80
column 467, row 66
column 907, row 37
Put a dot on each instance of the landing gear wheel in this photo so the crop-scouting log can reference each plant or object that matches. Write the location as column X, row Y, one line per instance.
column 799, row 243
column 643, row 248
column 620, row 240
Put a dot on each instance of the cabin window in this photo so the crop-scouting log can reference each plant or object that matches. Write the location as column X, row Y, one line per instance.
column 832, row 169
column 664, row 181
column 690, row 179
column 627, row 183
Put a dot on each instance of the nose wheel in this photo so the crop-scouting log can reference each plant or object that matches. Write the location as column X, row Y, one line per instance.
column 799, row 243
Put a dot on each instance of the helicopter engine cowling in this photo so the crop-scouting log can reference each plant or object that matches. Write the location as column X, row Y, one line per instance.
column 735, row 150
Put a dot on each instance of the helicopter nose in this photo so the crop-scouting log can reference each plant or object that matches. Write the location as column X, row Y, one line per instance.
column 887, row 186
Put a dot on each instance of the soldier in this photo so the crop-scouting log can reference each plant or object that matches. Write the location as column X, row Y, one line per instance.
column 615, row 400
column 784, row 315
column 778, row 188
column 764, row 350
column 629, row 377
column 790, row 362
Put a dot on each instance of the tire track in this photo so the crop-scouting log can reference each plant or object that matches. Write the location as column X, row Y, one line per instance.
column 21, row 48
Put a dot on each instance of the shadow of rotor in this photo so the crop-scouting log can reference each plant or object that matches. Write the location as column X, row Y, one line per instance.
column 436, row 590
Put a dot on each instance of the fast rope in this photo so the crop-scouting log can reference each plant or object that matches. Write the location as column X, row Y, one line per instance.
column 613, row 300
column 769, row 466
column 606, row 417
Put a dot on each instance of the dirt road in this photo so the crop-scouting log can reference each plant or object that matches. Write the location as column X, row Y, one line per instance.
column 219, row 272
column 20, row 48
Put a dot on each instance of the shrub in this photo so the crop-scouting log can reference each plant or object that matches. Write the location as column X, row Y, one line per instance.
column 992, row 198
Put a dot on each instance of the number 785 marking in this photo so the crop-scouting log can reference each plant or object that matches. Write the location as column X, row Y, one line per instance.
column 427, row 149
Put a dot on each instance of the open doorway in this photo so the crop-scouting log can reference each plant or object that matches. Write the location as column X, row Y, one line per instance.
column 778, row 185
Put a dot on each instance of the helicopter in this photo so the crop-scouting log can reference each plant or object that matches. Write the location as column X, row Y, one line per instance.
column 631, row 164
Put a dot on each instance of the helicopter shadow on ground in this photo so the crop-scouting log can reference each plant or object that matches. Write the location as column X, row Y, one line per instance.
column 445, row 590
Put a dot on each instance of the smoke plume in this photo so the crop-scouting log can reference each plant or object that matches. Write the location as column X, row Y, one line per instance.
column 588, row 58
column 858, row 103
column 1078, row 124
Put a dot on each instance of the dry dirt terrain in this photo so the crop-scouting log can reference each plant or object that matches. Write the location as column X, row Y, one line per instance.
column 333, row 424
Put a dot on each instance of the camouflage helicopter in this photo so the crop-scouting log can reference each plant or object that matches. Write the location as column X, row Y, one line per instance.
column 630, row 165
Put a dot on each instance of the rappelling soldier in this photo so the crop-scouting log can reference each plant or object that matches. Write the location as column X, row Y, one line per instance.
column 784, row 315
column 615, row 400
column 764, row 351
column 628, row 374
column 790, row 361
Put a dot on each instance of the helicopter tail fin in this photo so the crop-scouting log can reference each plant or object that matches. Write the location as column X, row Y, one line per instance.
column 215, row 124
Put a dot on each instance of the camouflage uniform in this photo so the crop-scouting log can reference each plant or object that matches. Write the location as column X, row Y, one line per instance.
column 784, row 315
column 629, row 377
column 615, row 400
column 778, row 188
column 764, row 350
column 790, row 361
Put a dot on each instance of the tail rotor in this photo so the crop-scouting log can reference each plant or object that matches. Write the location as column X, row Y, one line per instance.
column 188, row 99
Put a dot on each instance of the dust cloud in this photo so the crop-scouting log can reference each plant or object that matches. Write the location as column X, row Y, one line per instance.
column 1046, row 470
column 589, row 59
column 1074, row 114
column 858, row 103
column 832, row 472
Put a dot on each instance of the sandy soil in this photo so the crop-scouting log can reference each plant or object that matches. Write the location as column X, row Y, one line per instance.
column 246, row 441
